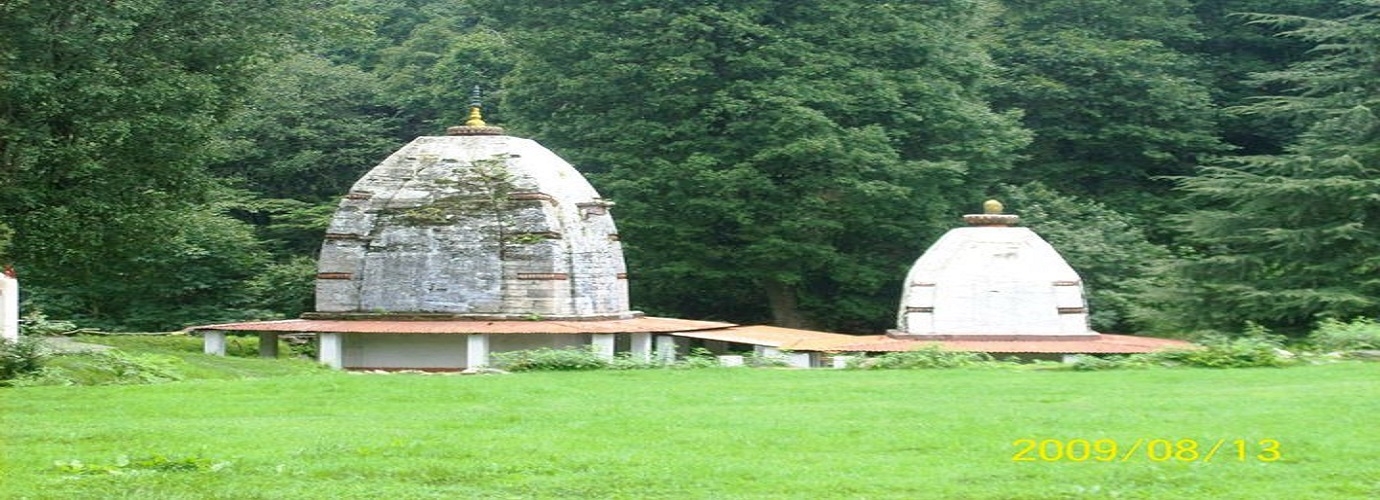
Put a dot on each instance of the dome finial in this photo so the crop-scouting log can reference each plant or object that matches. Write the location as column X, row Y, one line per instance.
column 476, row 103
column 991, row 216
column 475, row 125
column 991, row 207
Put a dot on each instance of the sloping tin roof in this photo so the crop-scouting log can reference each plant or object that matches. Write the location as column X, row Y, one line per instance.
column 631, row 325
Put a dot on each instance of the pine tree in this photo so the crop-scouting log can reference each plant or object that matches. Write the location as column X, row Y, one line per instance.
column 1289, row 238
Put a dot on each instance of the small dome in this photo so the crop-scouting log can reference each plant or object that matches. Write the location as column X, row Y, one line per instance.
column 992, row 281
column 473, row 225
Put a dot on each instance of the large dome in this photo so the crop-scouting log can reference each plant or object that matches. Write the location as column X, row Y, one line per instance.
column 473, row 226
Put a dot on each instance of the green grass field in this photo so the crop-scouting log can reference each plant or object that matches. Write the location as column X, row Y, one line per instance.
column 706, row 433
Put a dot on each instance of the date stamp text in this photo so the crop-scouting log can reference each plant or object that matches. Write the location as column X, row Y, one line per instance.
column 1146, row 449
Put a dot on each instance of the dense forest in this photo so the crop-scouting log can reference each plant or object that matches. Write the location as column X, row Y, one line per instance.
column 1205, row 164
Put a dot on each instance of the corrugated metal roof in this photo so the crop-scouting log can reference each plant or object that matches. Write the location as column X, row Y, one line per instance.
column 632, row 325
column 1104, row 344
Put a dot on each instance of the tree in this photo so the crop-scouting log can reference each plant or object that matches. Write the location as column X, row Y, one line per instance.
column 1289, row 238
column 798, row 152
column 1233, row 49
column 107, row 114
column 1111, row 95
column 308, row 130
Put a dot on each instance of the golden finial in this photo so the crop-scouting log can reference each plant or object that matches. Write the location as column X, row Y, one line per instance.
column 991, row 216
column 475, row 124
column 991, row 207
column 476, row 118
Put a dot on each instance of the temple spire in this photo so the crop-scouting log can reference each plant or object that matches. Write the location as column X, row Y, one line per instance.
column 474, row 124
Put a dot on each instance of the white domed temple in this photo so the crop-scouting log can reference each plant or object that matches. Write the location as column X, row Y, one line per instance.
column 997, row 288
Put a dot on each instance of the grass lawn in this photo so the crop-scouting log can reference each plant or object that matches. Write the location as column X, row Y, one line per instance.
column 707, row 433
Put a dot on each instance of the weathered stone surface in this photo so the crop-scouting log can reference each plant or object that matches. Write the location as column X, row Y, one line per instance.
column 462, row 225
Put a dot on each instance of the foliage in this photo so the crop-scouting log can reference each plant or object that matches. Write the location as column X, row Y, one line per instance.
column 1109, row 249
column 148, row 359
column 1357, row 334
column 21, row 357
column 930, row 356
column 1088, row 363
column 548, row 359
column 35, row 323
column 107, row 114
column 1111, row 94
column 112, row 367
column 1285, row 239
column 784, row 155
column 286, row 289
column 308, row 128
column 1256, row 347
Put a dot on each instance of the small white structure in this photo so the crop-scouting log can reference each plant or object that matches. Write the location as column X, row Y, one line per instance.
column 9, row 305
column 992, row 281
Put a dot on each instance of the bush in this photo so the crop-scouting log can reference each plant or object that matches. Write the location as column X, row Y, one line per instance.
column 1333, row 335
column 1087, row 363
column 930, row 356
column 111, row 367
column 547, row 359
column 21, row 357
column 37, row 324
column 1257, row 348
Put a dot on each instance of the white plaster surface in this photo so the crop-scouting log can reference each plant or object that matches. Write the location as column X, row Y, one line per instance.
column 403, row 351
column 992, row 281
column 330, row 349
column 213, row 343
column 9, row 307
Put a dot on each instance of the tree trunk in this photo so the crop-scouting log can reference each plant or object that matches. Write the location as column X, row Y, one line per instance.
column 785, row 309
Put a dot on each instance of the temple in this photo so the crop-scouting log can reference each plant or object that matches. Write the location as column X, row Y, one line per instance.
column 476, row 242
column 997, row 288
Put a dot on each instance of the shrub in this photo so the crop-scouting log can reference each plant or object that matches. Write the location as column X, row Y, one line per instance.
column 1258, row 347
column 1358, row 334
column 548, row 359
column 37, row 324
column 21, row 357
column 930, row 356
column 1086, row 363
column 111, row 367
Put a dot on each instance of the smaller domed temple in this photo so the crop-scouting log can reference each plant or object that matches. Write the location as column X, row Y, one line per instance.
column 997, row 288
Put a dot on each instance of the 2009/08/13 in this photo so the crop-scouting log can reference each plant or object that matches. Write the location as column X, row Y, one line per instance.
column 1155, row 450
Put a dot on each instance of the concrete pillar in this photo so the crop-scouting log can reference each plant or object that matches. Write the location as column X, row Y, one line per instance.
column 9, row 306
column 477, row 351
column 213, row 343
column 641, row 346
column 666, row 348
column 603, row 344
column 801, row 359
column 330, row 349
column 268, row 344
